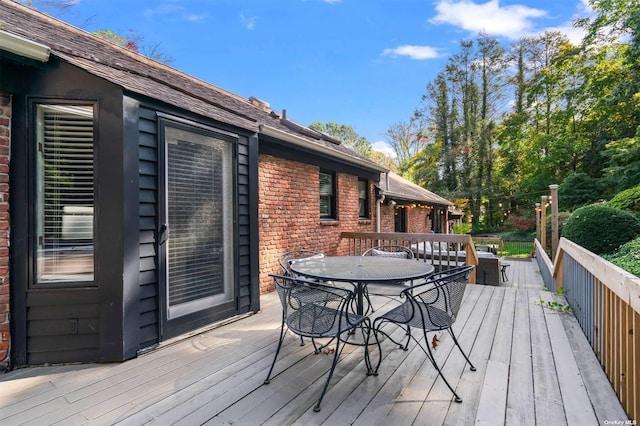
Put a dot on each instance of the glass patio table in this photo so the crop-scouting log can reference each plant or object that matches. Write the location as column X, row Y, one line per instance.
column 362, row 270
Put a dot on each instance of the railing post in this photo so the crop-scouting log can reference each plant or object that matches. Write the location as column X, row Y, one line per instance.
column 543, row 222
column 538, row 221
column 554, row 219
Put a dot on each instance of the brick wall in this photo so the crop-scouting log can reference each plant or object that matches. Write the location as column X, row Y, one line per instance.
column 289, row 213
column 418, row 220
column 5, row 133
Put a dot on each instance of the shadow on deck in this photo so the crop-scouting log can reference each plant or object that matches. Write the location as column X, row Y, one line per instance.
column 527, row 373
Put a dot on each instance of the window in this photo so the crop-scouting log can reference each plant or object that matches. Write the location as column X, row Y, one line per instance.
column 65, row 191
column 327, row 195
column 363, row 198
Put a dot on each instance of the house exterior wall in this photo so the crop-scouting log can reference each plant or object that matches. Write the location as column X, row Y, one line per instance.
column 5, row 138
column 288, row 213
column 418, row 220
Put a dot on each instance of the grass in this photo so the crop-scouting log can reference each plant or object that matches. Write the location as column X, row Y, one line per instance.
column 517, row 248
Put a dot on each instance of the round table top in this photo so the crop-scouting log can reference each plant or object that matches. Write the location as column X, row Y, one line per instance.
column 362, row 268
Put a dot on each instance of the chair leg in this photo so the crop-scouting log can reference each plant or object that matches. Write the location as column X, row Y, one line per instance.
column 333, row 367
column 282, row 334
column 367, row 355
column 435, row 364
column 472, row 368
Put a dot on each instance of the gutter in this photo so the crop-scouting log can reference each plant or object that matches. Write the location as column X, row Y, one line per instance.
column 320, row 149
column 24, row 47
column 399, row 196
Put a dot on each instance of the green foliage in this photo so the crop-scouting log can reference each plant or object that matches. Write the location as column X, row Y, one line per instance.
column 554, row 306
column 461, row 228
column 624, row 163
column 579, row 189
column 518, row 234
column 627, row 257
column 600, row 228
column 346, row 134
column 629, row 200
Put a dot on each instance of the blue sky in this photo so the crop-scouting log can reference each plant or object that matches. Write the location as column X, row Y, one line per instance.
column 365, row 63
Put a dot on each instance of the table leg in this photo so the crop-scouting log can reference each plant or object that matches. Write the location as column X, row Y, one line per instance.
column 360, row 304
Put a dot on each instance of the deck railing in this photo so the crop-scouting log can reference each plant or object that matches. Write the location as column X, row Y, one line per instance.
column 606, row 302
column 456, row 250
column 546, row 266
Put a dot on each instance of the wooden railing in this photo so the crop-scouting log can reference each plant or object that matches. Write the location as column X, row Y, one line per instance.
column 441, row 255
column 606, row 302
column 546, row 266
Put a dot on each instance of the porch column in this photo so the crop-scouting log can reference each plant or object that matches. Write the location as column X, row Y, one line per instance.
column 543, row 222
column 538, row 221
column 5, row 144
column 554, row 219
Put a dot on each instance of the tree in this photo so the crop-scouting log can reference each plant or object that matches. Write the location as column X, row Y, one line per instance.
column 346, row 135
column 134, row 42
column 406, row 138
column 384, row 160
column 54, row 7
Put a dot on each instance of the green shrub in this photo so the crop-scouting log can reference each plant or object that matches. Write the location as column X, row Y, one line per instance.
column 461, row 228
column 627, row 257
column 629, row 200
column 579, row 189
column 600, row 228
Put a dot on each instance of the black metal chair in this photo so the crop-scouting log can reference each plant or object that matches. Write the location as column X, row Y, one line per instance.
column 429, row 306
column 287, row 258
column 314, row 310
column 285, row 261
column 389, row 290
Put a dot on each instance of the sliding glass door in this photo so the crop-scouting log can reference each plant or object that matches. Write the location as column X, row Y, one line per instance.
column 197, row 235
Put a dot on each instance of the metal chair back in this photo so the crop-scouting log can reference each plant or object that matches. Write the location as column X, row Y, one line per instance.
column 287, row 258
column 398, row 251
column 315, row 310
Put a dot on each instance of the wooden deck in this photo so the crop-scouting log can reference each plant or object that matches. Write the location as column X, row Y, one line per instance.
column 534, row 366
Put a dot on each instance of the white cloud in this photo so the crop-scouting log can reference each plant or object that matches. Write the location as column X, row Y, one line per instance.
column 575, row 35
column 384, row 147
column 512, row 21
column 196, row 18
column 412, row 51
column 332, row 1
column 248, row 22
column 173, row 12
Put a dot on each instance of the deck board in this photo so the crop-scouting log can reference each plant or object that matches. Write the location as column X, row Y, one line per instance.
column 533, row 366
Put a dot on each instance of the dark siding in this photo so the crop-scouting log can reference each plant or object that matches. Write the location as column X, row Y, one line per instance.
column 244, row 230
column 65, row 322
column 149, row 284
column 63, row 325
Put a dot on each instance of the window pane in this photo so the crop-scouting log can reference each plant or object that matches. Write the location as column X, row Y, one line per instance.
column 362, row 189
column 363, row 199
column 326, row 195
column 326, row 184
column 64, row 219
column 200, row 213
